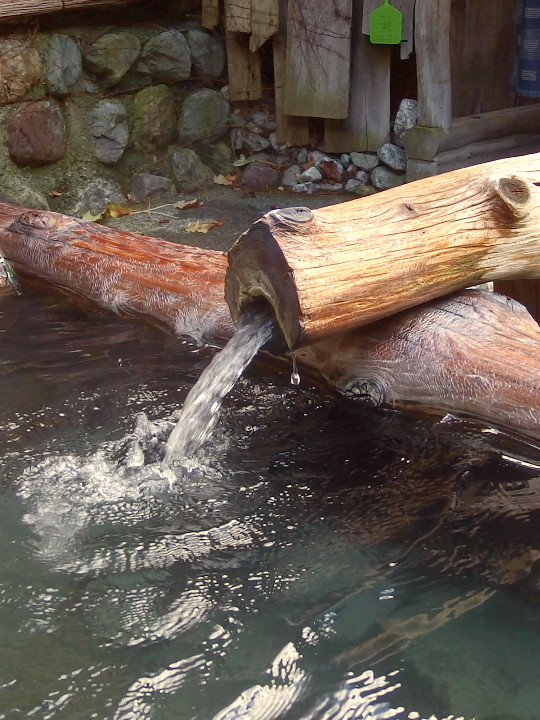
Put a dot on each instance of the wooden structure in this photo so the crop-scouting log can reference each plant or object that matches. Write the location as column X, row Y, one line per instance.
column 12, row 9
column 346, row 265
column 474, row 353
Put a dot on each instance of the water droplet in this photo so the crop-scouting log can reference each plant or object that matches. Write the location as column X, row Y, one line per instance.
column 295, row 378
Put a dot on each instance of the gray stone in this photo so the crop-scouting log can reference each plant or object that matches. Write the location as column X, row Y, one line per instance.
column 291, row 176
column 260, row 176
column 203, row 116
column 406, row 118
column 365, row 190
column 154, row 118
column 311, row 174
column 329, row 187
column 345, row 160
column 352, row 184
column 262, row 120
column 302, row 155
column 217, row 156
column 237, row 138
column 384, row 178
column 36, row 134
column 307, row 187
column 94, row 196
column 189, row 171
column 108, row 126
column 274, row 140
column 419, row 169
column 17, row 191
column 207, row 53
column 255, row 143
column 111, row 56
column 63, row 65
column 20, row 69
column 282, row 159
column 166, row 57
column 393, row 156
column 146, row 185
column 364, row 161
column 362, row 175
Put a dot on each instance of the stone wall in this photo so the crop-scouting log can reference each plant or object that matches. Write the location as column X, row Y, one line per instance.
column 132, row 106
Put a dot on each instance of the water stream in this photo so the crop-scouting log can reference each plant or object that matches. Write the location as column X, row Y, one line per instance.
column 312, row 561
column 203, row 404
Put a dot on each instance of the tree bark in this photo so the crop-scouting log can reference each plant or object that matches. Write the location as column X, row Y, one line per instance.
column 340, row 267
column 474, row 353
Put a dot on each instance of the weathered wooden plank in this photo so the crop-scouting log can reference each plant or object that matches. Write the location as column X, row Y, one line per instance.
column 291, row 129
column 210, row 13
column 348, row 265
column 264, row 22
column 14, row 8
column 482, row 53
column 318, row 53
column 367, row 126
column 527, row 292
column 432, row 44
column 244, row 68
column 238, row 15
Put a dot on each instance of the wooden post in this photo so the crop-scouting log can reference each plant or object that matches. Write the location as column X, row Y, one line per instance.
column 244, row 68
column 347, row 265
column 432, row 44
column 474, row 353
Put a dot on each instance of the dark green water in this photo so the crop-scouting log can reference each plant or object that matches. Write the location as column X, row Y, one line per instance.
column 314, row 561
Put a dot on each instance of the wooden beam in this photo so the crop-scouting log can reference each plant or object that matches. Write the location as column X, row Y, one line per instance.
column 432, row 43
column 244, row 68
column 345, row 266
column 318, row 51
column 264, row 22
column 367, row 125
column 209, row 13
column 291, row 129
column 238, row 16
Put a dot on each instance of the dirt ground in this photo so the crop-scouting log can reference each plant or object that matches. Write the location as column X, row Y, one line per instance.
column 233, row 208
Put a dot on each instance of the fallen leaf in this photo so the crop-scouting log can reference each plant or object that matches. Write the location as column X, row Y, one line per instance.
column 232, row 178
column 221, row 180
column 203, row 227
column 188, row 204
column 56, row 193
column 116, row 210
column 162, row 221
column 242, row 160
column 91, row 217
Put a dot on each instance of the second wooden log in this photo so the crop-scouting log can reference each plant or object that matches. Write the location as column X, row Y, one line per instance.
column 347, row 265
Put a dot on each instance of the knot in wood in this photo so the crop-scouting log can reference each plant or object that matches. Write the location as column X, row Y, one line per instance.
column 292, row 214
column 35, row 219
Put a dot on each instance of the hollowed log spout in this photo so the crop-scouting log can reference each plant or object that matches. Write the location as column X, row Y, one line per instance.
column 330, row 270
column 474, row 353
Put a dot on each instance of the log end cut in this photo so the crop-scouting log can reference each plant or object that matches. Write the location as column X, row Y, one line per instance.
column 258, row 269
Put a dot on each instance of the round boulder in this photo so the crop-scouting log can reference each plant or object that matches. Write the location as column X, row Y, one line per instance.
column 36, row 134
column 63, row 64
column 189, row 171
column 20, row 69
column 154, row 118
column 111, row 56
column 166, row 57
column 207, row 53
column 203, row 116
column 108, row 126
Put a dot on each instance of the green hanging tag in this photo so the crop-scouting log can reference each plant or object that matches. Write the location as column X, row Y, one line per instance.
column 385, row 24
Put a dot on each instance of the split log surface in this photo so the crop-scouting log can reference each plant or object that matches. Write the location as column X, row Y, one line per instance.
column 343, row 266
column 474, row 353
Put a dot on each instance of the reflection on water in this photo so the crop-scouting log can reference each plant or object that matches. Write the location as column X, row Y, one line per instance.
column 312, row 561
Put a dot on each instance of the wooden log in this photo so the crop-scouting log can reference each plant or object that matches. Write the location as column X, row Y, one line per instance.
column 475, row 353
column 318, row 47
column 347, row 265
column 123, row 272
column 429, row 357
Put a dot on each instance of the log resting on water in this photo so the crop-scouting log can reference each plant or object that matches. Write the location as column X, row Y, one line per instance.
column 330, row 270
column 474, row 353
